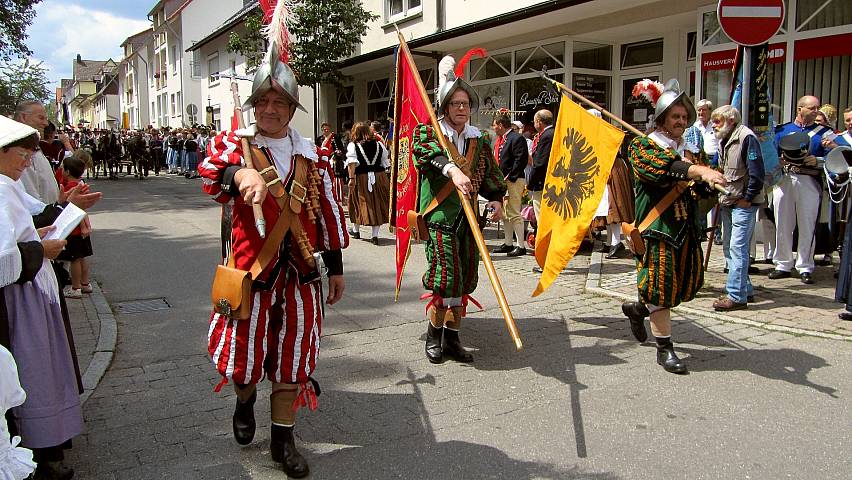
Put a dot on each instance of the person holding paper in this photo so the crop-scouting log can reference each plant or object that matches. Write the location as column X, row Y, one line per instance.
column 31, row 323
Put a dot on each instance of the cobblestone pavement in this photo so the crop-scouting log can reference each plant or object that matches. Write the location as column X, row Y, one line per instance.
column 582, row 400
column 785, row 303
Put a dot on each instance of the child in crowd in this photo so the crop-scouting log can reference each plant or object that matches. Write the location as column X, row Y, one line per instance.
column 79, row 244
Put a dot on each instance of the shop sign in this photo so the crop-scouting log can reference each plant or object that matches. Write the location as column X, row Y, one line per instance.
column 830, row 46
column 724, row 60
column 751, row 22
column 543, row 98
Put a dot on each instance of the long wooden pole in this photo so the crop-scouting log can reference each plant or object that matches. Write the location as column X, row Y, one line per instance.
column 606, row 113
column 472, row 219
column 259, row 221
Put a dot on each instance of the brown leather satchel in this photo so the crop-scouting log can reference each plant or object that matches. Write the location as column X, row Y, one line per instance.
column 633, row 234
column 231, row 292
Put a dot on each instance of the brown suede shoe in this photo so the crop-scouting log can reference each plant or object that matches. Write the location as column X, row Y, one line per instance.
column 728, row 305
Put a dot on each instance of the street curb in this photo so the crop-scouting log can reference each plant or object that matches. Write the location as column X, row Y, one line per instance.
column 107, row 337
column 593, row 285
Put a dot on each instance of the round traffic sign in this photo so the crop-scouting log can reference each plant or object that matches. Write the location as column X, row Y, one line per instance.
column 751, row 22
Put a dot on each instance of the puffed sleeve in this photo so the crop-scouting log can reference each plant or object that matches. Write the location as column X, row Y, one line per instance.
column 225, row 158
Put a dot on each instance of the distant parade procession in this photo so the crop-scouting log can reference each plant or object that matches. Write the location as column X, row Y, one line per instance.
column 543, row 240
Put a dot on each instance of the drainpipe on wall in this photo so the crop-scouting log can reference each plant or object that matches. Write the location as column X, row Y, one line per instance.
column 440, row 14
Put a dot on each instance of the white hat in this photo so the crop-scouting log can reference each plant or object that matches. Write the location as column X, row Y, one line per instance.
column 595, row 112
column 518, row 124
column 12, row 131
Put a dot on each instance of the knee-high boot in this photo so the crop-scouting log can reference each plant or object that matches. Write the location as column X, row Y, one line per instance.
column 452, row 345
column 283, row 444
column 434, row 333
column 243, row 421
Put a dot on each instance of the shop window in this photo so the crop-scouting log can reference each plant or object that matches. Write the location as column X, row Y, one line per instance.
column 492, row 97
column 345, row 105
column 346, row 95
column 593, row 56
column 345, row 113
column 532, row 60
column 814, row 14
column 716, row 87
column 428, row 78
column 637, row 111
column 533, row 94
column 827, row 78
column 377, row 89
column 379, row 111
column 641, row 54
column 493, row 66
column 594, row 87
column 711, row 31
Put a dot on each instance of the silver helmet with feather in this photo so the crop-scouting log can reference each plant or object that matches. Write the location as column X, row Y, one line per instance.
column 274, row 73
column 450, row 80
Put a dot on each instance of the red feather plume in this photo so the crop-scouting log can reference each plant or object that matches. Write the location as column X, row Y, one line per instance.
column 459, row 71
column 649, row 89
column 268, row 6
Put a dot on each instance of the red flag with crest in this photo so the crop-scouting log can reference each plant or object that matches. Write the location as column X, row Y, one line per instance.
column 409, row 111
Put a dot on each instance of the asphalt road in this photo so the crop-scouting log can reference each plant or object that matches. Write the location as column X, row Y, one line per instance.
column 582, row 400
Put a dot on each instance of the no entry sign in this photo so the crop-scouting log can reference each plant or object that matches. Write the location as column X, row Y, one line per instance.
column 751, row 22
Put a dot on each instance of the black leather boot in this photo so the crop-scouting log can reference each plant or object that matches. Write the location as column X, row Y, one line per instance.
column 636, row 313
column 283, row 450
column 52, row 471
column 667, row 357
column 433, row 343
column 453, row 347
column 244, row 424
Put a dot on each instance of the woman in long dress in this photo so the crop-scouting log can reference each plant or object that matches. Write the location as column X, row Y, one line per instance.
column 31, row 325
column 367, row 160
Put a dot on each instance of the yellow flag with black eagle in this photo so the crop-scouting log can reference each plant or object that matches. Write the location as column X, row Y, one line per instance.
column 581, row 158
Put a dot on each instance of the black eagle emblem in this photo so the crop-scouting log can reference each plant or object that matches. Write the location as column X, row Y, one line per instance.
column 577, row 174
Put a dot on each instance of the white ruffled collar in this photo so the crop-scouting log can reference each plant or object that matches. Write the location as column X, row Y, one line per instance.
column 301, row 145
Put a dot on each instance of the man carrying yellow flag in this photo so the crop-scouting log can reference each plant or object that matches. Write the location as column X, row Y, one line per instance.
column 584, row 148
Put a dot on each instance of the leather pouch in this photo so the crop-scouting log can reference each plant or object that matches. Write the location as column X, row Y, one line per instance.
column 231, row 292
column 417, row 226
column 633, row 239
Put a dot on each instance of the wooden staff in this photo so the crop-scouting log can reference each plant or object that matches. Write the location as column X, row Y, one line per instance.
column 259, row 221
column 605, row 112
column 472, row 219
column 712, row 232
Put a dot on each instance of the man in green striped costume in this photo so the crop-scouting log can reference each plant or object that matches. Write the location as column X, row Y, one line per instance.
column 451, row 253
column 671, row 270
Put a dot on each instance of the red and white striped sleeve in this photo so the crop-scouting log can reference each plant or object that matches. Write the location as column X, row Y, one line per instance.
column 334, row 233
column 223, row 151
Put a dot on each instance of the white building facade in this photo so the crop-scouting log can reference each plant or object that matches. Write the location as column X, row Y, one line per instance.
column 133, row 74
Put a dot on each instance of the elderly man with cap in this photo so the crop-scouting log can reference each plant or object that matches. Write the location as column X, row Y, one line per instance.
column 796, row 198
column 451, row 254
column 280, row 338
column 670, row 271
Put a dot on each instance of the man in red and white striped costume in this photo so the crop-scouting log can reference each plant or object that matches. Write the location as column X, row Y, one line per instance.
column 280, row 341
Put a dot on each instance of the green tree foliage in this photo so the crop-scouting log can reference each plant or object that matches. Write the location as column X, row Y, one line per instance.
column 323, row 33
column 15, row 17
column 250, row 44
column 22, row 81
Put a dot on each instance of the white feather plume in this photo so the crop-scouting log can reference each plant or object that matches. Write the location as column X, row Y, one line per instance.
column 445, row 71
column 277, row 32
